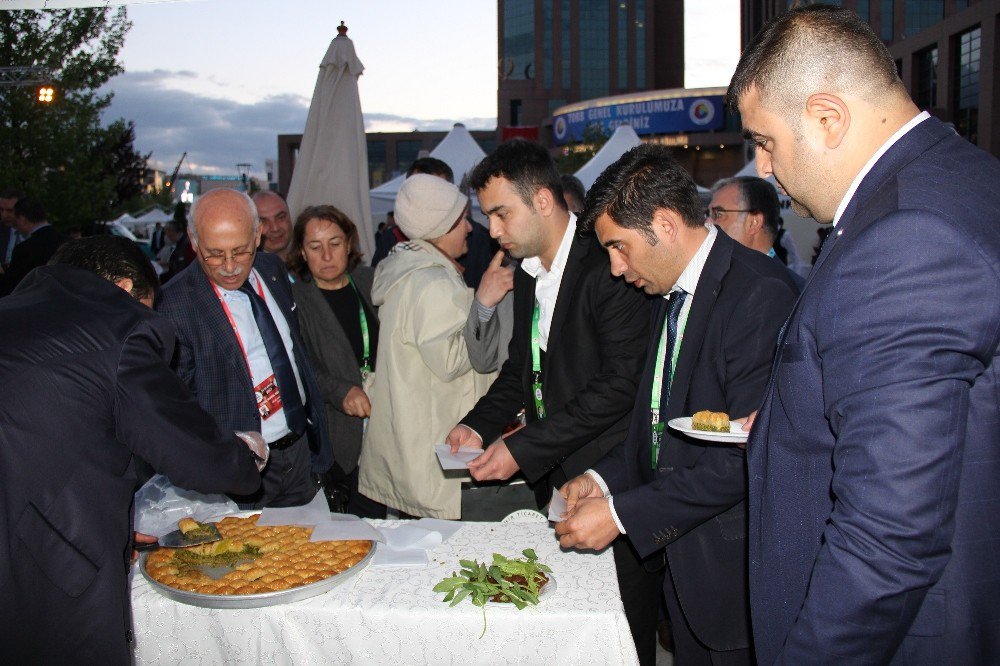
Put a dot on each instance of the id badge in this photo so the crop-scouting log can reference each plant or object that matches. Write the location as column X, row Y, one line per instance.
column 657, row 437
column 536, row 390
column 268, row 397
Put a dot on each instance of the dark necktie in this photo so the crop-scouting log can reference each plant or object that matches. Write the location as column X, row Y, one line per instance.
column 295, row 413
column 673, row 314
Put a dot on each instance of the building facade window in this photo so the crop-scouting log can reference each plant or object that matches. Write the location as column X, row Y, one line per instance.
column 518, row 39
column 966, row 105
column 547, row 36
column 640, row 44
column 377, row 172
column 622, row 31
column 926, row 83
column 595, row 49
column 406, row 153
column 886, row 32
column 564, row 28
column 864, row 10
column 921, row 14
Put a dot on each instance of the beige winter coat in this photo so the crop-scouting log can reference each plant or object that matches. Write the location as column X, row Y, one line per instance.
column 425, row 382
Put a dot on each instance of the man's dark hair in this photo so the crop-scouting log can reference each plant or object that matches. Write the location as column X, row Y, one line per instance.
column 30, row 209
column 757, row 196
column 113, row 258
column 642, row 181
column 11, row 193
column 812, row 47
column 432, row 166
column 526, row 165
column 572, row 186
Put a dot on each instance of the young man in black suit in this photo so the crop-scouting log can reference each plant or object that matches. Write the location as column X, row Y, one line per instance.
column 40, row 242
column 85, row 360
column 681, row 501
column 587, row 356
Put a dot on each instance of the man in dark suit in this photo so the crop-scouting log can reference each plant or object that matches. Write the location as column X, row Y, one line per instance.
column 591, row 331
column 84, row 359
column 874, row 501
column 710, row 348
column 40, row 242
column 240, row 350
column 156, row 240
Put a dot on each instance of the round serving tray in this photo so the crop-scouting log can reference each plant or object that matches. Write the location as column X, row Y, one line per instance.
column 261, row 599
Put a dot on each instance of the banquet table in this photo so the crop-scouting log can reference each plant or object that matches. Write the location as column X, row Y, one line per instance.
column 392, row 615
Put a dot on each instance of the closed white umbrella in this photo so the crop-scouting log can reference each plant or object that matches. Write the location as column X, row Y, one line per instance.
column 332, row 167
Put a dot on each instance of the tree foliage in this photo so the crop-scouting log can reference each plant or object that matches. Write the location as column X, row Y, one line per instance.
column 63, row 153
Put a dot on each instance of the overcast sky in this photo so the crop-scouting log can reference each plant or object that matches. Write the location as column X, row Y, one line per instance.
column 222, row 78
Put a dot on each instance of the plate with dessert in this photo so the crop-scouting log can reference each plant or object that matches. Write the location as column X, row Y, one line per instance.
column 710, row 427
column 253, row 566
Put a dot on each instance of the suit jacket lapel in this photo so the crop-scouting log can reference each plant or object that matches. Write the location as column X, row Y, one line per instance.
column 706, row 293
column 209, row 307
column 567, row 284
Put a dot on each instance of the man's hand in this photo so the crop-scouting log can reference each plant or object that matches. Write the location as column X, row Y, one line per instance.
column 141, row 538
column 496, row 282
column 590, row 527
column 747, row 422
column 356, row 403
column 496, row 463
column 462, row 436
column 581, row 487
column 255, row 442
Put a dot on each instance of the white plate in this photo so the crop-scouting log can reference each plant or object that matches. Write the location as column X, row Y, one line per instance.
column 736, row 435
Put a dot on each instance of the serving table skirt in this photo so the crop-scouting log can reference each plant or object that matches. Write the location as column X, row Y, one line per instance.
column 391, row 615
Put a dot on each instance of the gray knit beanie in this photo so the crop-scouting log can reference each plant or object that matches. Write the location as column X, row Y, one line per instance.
column 428, row 206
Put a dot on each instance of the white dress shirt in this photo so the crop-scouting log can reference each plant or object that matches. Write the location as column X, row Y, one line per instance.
column 547, row 281
column 856, row 183
column 238, row 303
column 688, row 281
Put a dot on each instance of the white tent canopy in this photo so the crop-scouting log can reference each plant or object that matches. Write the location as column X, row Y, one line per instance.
column 623, row 139
column 458, row 150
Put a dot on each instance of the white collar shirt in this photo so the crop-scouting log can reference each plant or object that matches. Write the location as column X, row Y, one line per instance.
column 890, row 142
column 276, row 426
column 547, row 282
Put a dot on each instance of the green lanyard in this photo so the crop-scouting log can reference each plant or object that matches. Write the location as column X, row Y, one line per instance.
column 536, row 366
column 654, row 401
column 366, row 367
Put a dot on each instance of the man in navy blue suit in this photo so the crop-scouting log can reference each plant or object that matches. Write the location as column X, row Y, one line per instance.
column 240, row 351
column 680, row 502
column 874, row 461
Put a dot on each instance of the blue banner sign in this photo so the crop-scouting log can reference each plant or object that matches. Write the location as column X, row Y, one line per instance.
column 654, row 116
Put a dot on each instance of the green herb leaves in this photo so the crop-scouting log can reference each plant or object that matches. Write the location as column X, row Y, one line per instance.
column 517, row 581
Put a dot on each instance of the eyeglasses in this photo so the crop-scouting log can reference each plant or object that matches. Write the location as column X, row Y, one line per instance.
column 220, row 259
column 717, row 211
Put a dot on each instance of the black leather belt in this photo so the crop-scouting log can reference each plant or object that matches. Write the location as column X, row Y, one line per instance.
column 285, row 442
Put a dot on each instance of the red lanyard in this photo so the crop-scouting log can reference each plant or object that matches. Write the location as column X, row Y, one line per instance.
column 232, row 322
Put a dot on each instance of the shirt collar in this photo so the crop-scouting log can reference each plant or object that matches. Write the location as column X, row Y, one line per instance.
column 916, row 120
column 688, row 280
column 533, row 265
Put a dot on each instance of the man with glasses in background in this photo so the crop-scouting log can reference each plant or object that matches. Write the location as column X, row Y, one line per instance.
column 748, row 210
column 240, row 350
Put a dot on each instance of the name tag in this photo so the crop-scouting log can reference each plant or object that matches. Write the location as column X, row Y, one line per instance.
column 268, row 397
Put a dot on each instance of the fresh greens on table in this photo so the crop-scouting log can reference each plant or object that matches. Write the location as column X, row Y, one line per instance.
column 517, row 581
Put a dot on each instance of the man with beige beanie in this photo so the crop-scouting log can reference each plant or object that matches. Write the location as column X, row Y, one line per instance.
column 425, row 380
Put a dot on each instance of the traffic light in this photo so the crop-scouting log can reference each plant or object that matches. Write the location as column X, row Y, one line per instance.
column 45, row 94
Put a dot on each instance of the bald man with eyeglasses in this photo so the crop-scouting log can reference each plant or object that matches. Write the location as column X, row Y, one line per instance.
column 240, row 351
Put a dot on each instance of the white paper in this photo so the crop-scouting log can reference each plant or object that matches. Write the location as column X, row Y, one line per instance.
column 557, row 507
column 389, row 557
column 411, row 537
column 317, row 511
column 447, row 528
column 345, row 530
column 458, row 460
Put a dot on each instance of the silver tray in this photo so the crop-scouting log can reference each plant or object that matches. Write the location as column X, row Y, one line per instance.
column 263, row 598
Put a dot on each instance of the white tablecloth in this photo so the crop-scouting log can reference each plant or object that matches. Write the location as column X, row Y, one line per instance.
column 391, row 615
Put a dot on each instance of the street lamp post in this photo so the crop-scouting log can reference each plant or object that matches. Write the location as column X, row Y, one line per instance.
column 244, row 170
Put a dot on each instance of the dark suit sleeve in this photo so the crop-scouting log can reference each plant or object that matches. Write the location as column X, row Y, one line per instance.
column 183, row 361
column 505, row 396
column 161, row 422
column 915, row 326
column 622, row 323
column 716, row 481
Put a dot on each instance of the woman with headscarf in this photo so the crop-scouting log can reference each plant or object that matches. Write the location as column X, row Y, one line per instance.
column 426, row 382
column 340, row 329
